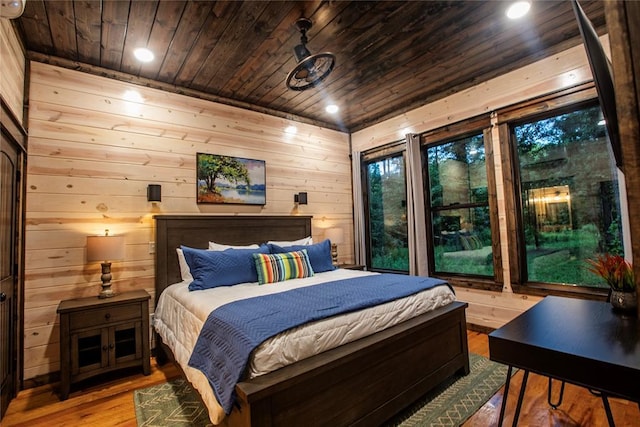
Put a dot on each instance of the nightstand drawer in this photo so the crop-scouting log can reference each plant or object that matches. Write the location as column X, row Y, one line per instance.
column 104, row 316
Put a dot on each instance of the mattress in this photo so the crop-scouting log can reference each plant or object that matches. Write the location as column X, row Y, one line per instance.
column 180, row 315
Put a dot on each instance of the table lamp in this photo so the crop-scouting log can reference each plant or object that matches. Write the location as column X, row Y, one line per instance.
column 336, row 236
column 105, row 249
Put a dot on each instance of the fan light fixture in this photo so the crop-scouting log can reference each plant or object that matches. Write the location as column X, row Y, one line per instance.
column 310, row 69
column 11, row 9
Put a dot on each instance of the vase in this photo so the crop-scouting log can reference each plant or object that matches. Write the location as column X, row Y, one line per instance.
column 625, row 302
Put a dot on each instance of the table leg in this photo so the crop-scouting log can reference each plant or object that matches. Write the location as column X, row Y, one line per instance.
column 559, row 402
column 520, row 397
column 505, row 395
column 607, row 409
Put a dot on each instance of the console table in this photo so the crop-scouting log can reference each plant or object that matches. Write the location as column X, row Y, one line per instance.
column 578, row 341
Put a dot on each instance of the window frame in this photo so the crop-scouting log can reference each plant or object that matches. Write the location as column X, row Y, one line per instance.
column 394, row 149
column 449, row 133
column 555, row 104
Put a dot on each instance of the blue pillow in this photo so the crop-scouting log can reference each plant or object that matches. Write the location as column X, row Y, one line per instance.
column 211, row 269
column 319, row 254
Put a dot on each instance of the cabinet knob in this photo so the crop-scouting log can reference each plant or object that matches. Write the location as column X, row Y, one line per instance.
column 107, row 316
column 111, row 346
column 3, row 297
column 104, row 348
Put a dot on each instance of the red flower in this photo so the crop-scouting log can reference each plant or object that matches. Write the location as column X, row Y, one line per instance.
column 617, row 272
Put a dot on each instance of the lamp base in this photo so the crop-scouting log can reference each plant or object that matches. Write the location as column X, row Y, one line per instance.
column 106, row 292
column 334, row 254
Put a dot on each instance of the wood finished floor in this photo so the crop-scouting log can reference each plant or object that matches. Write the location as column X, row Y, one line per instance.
column 111, row 403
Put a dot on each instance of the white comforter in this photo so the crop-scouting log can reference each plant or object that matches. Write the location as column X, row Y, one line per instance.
column 180, row 314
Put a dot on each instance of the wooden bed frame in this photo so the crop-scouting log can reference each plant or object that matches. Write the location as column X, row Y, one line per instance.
column 361, row 383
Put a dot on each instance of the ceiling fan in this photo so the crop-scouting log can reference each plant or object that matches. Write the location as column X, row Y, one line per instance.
column 310, row 69
column 11, row 9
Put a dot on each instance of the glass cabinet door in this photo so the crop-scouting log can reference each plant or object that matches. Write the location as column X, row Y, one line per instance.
column 89, row 350
column 126, row 340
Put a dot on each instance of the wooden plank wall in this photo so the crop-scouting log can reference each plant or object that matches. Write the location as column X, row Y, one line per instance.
column 94, row 146
column 486, row 308
column 12, row 69
column 624, row 20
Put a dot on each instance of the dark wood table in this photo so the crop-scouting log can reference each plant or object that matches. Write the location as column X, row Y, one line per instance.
column 578, row 341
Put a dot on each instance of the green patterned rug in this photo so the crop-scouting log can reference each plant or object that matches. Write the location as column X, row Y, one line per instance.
column 176, row 404
column 173, row 403
column 458, row 398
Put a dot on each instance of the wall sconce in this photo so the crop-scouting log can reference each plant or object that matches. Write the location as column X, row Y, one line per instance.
column 335, row 236
column 154, row 193
column 105, row 249
column 300, row 198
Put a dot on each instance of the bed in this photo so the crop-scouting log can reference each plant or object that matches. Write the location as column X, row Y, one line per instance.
column 363, row 382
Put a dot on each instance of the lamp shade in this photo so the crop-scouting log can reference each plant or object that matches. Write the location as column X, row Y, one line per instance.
column 105, row 248
column 334, row 234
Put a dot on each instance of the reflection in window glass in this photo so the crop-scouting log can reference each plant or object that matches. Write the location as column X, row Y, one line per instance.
column 460, row 222
column 388, row 214
column 569, row 196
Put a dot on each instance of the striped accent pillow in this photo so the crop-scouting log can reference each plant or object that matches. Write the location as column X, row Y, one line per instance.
column 280, row 267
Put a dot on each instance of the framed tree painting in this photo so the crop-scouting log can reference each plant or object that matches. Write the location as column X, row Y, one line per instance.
column 234, row 180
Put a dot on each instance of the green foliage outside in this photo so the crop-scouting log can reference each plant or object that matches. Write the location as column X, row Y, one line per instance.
column 387, row 214
column 461, row 265
column 569, row 150
column 590, row 225
column 562, row 257
column 460, row 220
column 396, row 259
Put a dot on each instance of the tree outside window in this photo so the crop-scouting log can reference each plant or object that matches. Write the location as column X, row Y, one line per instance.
column 569, row 201
column 459, row 207
column 387, row 214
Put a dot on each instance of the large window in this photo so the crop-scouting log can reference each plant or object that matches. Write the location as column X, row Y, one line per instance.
column 569, row 207
column 458, row 203
column 387, row 213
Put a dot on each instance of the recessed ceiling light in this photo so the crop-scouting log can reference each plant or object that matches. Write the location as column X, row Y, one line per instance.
column 133, row 96
column 143, row 54
column 332, row 109
column 518, row 9
column 291, row 130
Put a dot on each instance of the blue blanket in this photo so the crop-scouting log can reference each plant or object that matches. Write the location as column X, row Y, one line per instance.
column 233, row 331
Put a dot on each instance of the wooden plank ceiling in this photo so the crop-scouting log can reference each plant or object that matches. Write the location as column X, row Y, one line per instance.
column 392, row 56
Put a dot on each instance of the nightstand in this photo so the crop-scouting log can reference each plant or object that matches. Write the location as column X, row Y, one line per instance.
column 102, row 335
column 352, row 266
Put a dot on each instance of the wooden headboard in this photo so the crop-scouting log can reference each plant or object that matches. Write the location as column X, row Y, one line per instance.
column 197, row 231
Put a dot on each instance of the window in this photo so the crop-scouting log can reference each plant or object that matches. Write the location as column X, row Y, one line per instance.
column 567, row 197
column 458, row 204
column 386, row 213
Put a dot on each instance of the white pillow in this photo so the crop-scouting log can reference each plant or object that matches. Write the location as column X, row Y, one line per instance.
column 213, row 246
column 305, row 241
column 185, row 271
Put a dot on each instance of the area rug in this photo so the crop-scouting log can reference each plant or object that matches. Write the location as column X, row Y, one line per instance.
column 176, row 404
column 456, row 399
column 173, row 403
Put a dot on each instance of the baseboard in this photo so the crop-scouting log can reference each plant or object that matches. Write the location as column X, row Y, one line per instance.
column 480, row 328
